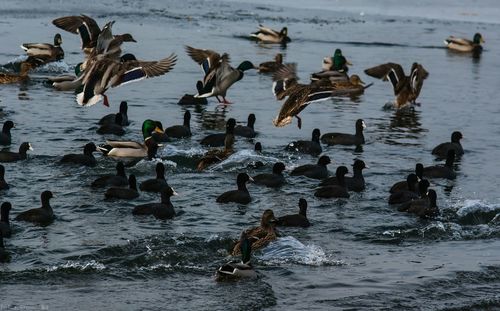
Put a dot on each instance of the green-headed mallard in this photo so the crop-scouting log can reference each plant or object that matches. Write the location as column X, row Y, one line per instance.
column 272, row 66
column 242, row 269
column 216, row 155
column 260, row 236
column 268, row 35
column 465, row 45
column 25, row 67
column 45, row 51
column 108, row 72
column 406, row 88
column 219, row 75
column 299, row 95
column 337, row 62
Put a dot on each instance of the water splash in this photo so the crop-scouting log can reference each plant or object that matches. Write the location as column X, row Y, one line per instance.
column 241, row 159
column 80, row 266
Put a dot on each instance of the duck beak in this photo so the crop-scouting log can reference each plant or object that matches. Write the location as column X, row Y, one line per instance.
column 364, row 125
column 173, row 192
column 30, row 148
column 158, row 130
column 250, row 179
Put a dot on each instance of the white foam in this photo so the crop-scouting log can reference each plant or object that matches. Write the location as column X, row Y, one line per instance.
column 472, row 206
column 241, row 159
column 82, row 266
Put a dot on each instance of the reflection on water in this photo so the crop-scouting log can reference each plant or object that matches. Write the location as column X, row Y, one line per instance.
column 404, row 127
column 213, row 119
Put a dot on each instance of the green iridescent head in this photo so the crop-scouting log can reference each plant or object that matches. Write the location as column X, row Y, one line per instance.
column 337, row 53
column 78, row 69
column 245, row 66
column 478, row 39
column 148, row 127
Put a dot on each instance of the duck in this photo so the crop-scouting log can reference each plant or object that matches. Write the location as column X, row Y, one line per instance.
column 3, row 184
column 352, row 87
column 273, row 180
column 4, row 254
column 241, row 195
column 117, row 180
column 426, row 207
column 108, row 72
column 355, row 183
column 7, row 78
column 442, row 171
column 272, row 66
column 43, row 215
column 346, row 139
column 66, row 82
column 258, row 150
column 238, row 270
column 112, row 128
column 247, row 131
column 159, row 135
column 330, row 76
column 403, row 185
column 410, row 193
column 124, row 193
column 180, row 131
column 295, row 220
column 215, row 155
column 261, row 235
column 5, row 228
column 406, row 88
column 45, row 51
column 268, row 35
column 316, row 171
column 339, row 190
column 155, row 184
column 87, row 158
column 5, row 136
column 110, row 118
column 218, row 140
column 441, row 150
column 162, row 210
column 9, row 156
column 298, row 96
column 130, row 149
column 337, row 62
column 465, row 45
column 219, row 75
column 312, row 147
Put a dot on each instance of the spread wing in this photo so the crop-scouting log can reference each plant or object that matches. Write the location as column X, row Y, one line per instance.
column 285, row 79
column 417, row 76
column 389, row 71
column 134, row 70
column 83, row 25
column 207, row 59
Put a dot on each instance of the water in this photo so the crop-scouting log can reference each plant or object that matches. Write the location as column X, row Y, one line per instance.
column 359, row 254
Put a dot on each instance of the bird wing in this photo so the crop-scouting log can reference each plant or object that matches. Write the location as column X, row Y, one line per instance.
column 83, row 25
column 207, row 59
column 417, row 76
column 284, row 80
column 389, row 71
column 134, row 70
column 268, row 31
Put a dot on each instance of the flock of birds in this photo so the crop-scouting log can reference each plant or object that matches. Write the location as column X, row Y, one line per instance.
column 104, row 66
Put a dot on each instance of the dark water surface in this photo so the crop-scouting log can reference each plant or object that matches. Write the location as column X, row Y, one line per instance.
column 359, row 254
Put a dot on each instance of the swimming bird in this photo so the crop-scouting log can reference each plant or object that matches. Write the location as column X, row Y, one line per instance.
column 354, row 183
column 3, row 184
column 260, row 236
column 86, row 158
column 465, row 45
column 316, row 171
column 45, row 52
column 4, row 254
column 273, row 180
column 403, row 185
column 117, row 180
column 43, row 215
column 5, row 228
column 295, row 220
column 215, row 155
column 346, row 139
column 412, row 191
column 6, row 78
column 247, row 131
column 299, row 96
column 312, row 147
column 268, row 35
column 180, row 131
column 219, row 75
column 337, row 62
column 241, row 196
column 338, row 190
column 442, row 171
column 155, row 184
column 162, row 210
column 130, row 149
column 242, row 269
column 441, row 150
column 425, row 207
column 272, row 66
column 9, row 156
column 112, row 128
column 158, row 134
column 354, row 86
column 217, row 140
column 5, row 136
column 406, row 88
column 110, row 118
column 124, row 193
column 258, row 151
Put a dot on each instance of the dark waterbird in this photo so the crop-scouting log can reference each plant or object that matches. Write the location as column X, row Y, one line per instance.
column 217, row 140
column 216, row 155
column 354, row 183
column 242, row 269
column 3, row 184
column 316, row 171
column 43, row 215
column 442, row 171
column 115, row 128
column 425, row 207
column 4, row 254
column 9, row 156
column 117, row 180
column 124, row 193
column 5, row 136
column 180, row 131
column 274, row 180
column 86, row 158
column 241, row 196
column 162, row 210
column 155, row 184
column 339, row 190
column 110, row 118
column 5, row 228
column 441, row 150
column 346, row 139
column 403, row 185
column 248, row 130
column 312, row 147
column 408, row 193
column 295, row 220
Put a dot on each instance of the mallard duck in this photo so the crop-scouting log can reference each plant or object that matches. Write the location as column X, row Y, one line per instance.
column 241, row 195
column 130, row 149
column 43, row 215
column 5, row 136
column 338, row 190
column 215, row 155
column 108, row 72
column 346, row 139
column 268, row 35
column 242, row 269
column 25, row 67
column 352, row 87
column 337, row 62
column 68, row 82
column 5, row 228
column 299, row 95
column 45, row 51
column 465, row 45
column 272, row 66
column 9, row 156
column 219, row 75
column 260, row 236
column 330, row 75
column 441, row 150
column 354, row 183
column 295, row 220
column 406, row 88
